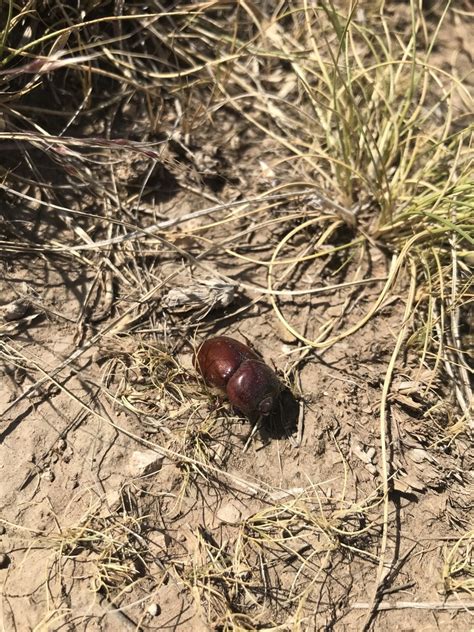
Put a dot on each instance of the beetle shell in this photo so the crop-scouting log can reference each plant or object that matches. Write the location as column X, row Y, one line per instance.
column 218, row 358
column 253, row 388
column 231, row 366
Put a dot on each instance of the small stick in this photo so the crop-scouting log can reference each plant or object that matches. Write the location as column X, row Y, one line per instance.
column 251, row 435
column 417, row 605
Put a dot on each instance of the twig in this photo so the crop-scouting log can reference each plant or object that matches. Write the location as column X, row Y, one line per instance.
column 416, row 605
column 383, row 572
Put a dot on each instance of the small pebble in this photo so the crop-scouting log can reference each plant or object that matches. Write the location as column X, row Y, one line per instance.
column 48, row 476
column 418, row 455
column 153, row 610
column 4, row 560
column 2, row 529
column 371, row 468
column 229, row 513
column 15, row 310
column 68, row 454
column 370, row 453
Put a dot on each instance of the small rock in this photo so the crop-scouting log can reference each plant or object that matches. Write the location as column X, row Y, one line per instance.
column 48, row 475
column 408, row 485
column 68, row 454
column 153, row 610
column 2, row 529
column 371, row 468
column 418, row 455
column 15, row 310
column 4, row 560
column 113, row 500
column 360, row 453
column 229, row 513
column 145, row 462
column 61, row 445
column 370, row 453
column 285, row 334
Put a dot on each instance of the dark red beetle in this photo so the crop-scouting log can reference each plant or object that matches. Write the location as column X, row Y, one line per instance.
column 231, row 366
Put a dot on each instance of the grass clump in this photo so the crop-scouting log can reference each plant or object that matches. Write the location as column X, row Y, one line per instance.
column 274, row 567
column 110, row 543
column 458, row 569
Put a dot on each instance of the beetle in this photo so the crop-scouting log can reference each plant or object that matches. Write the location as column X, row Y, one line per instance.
column 234, row 368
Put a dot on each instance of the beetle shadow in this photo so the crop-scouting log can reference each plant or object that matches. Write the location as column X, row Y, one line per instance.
column 283, row 422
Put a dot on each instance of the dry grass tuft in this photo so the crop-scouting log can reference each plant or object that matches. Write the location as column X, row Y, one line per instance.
column 458, row 570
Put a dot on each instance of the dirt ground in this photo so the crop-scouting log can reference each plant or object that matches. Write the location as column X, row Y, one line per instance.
column 131, row 498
